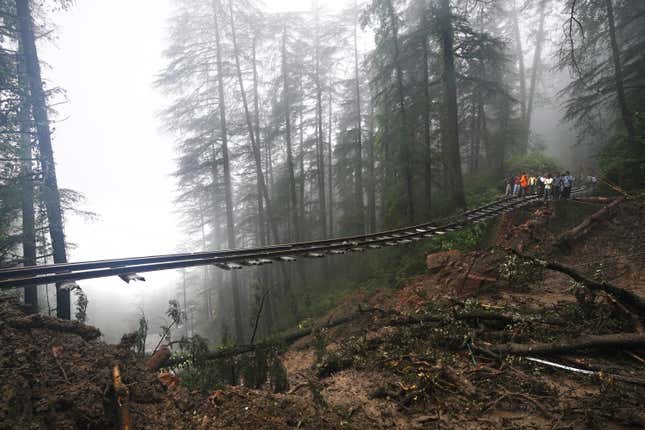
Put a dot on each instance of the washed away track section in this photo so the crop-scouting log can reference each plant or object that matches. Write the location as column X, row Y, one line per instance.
column 128, row 269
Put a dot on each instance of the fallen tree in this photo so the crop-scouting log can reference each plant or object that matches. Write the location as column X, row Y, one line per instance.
column 566, row 238
column 621, row 340
column 396, row 319
column 630, row 300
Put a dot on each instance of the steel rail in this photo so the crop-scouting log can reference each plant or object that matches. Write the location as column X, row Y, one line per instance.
column 236, row 259
column 114, row 263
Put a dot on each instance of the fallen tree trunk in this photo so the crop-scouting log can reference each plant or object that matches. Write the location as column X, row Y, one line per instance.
column 158, row 358
column 597, row 199
column 627, row 298
column 87, row 332
column 624, row 296
column 122, row 394
column 397, row 320
column 622, row 340
column 506, row 318
column 566, row 238
column 287, row 339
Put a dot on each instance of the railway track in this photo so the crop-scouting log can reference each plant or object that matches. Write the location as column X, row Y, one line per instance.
column 128, row 269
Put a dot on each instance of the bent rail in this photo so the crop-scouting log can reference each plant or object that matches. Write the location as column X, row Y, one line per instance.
column 127, row 268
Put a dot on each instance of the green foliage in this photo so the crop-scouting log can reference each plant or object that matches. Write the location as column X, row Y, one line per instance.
column 141, row 335
column 535, row 163
column 520, row 272
column 278, row 376
column 624, row 163
column 81, row 305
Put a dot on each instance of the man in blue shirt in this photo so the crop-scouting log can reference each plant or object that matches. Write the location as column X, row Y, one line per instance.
column 567, row 183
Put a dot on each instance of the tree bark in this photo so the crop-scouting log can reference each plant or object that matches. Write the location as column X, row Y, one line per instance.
column 371, row 175
column 536, row 67
column 568, row 236
column 450, row 140
column 427, row 142
column 228, row 191
column 320, row 144
column 613, row 341
column 302, row 181
column 26, row 183
column 618, row 75
column 50, row 182
column 287, row 135
column 330, row 165
column 404, row 139
column 358, row 150
column 254, row 138
column 520, row 59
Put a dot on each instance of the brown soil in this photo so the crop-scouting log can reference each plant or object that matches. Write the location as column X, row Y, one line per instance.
column 375, row 373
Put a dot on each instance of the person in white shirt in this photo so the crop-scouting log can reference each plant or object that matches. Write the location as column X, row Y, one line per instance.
column 548, row 184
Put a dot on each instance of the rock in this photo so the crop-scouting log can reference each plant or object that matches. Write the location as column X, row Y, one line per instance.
column 435, row 262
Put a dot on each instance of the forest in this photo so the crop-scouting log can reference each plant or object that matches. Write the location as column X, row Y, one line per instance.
column 335, row 120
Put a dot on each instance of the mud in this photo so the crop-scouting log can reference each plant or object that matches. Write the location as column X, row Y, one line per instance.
column 374, row 373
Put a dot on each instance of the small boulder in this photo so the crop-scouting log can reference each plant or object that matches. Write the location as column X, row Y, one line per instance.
column 435, row 262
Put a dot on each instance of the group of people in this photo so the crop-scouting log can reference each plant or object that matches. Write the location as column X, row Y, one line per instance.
column 550, row 187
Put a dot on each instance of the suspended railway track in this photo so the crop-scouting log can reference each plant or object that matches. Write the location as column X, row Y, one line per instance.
column 128, row 268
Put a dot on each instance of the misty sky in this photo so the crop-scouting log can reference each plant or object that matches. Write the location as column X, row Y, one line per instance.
column 110, row 145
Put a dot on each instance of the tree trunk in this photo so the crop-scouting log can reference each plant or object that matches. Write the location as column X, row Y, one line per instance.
column 371, row 175
column 26, row 184
column 536, row 67
column 618, row 75
column 287, row 135
column 258, row 140
column 614, row 342
column 403, row 132
column 228, row 190
column 358, row 150
column 301, row 160
column 254, row 138
column 320, row 144
column 427, row 143
column 450, row 139
column 520, row 59
column 50, row 182
column 330, row 165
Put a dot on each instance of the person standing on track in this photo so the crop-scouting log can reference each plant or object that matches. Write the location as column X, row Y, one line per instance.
column 532, row 184
column 548, row 183
column 524, row 184
column 516, row 185
column 509, row 182
column 556, row 188
column 567, row 183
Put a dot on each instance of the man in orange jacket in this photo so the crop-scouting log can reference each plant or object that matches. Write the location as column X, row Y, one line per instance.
column 524, row 184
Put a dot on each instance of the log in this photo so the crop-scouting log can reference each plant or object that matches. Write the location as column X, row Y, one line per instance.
column 506, row 318
column 627, row 298
column 158, row 359
column 397, row 320
column 122, row 394
column 37, row 321
column 287, row 339
column 621, row 340
column 631, row 300
column 596, row 199
column 566, row 238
